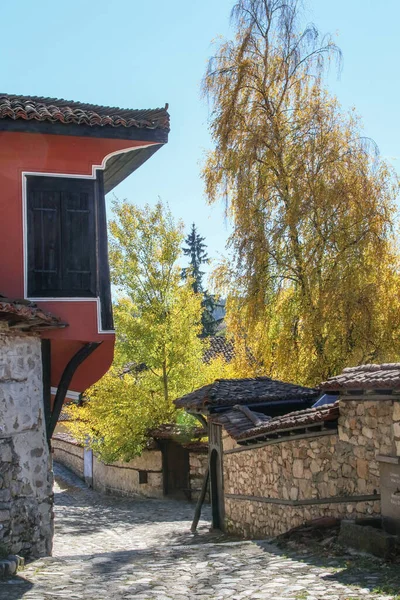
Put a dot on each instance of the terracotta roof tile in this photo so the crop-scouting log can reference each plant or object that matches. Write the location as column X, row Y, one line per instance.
column 366, row 377
column 172, row 431
column 239, row 426
column 27, row 316
column 219, row 347
column 228, row 392
column 56, row 110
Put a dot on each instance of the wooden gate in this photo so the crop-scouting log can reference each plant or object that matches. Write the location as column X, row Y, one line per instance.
column 175, row 470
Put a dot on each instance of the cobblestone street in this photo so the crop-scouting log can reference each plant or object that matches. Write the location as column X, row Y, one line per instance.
column 111, row 548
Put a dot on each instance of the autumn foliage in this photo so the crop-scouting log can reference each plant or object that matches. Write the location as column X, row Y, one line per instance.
column 315, row 278
column 159, row 354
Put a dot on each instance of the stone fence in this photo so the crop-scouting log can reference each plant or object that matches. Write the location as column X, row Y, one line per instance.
column 283, row 483
column 142, row 476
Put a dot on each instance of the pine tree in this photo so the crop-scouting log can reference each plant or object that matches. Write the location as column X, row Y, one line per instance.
column 196, row 250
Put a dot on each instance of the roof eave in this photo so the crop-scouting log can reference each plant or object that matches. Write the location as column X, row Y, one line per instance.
column 146, row 134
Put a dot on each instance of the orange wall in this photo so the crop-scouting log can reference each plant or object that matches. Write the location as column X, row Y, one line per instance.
column 35, row 152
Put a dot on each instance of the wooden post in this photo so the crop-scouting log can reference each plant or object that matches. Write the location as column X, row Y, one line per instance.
column 200, row 501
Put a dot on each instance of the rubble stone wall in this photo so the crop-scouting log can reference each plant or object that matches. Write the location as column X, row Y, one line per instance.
column 124, row 478
column 26, row 515
column 273, row 488
column 396, row 428
column 68, row 453
column 198, row 462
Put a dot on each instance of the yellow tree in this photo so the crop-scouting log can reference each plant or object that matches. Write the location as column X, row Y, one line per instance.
column 158, row 321
column 159, row 354
column 316, row 272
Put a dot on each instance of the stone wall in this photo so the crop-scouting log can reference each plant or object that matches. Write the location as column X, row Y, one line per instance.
column 68, row 452
column 26, row 517
column 198, row 462
column 282, row 484
column 396, row 428
column 124, row 478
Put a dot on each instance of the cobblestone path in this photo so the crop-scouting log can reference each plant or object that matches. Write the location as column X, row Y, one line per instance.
column 110, row 548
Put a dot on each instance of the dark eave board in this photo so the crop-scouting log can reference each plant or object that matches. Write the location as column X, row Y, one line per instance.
column 119, row 167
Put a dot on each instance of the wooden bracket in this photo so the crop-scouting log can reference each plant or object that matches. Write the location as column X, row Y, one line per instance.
column 65, row 380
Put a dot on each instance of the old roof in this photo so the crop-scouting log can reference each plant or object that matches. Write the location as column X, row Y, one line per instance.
column 35, row 114
column 55, row 110
column 219, row 347
column 228, row 392
column 23, row 315
column 366, row 377
column 253, row 425
column 172, row 431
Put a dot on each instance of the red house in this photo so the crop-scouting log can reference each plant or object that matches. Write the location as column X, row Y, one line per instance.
column 58, row 159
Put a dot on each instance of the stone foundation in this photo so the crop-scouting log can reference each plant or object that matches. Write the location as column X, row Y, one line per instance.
column 252, row 519
column 26, row 500
column 282, row 484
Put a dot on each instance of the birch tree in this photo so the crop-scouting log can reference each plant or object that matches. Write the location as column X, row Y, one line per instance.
column 314, row 280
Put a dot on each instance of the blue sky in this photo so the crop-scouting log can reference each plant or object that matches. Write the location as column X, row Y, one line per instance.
column 142, row 55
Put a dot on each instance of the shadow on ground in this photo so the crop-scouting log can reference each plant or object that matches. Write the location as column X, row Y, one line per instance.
column 14, row 589
column 363, row 571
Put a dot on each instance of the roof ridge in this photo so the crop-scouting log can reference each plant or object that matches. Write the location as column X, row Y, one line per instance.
column 372, row 367
column 58, row 110
column 48, row 100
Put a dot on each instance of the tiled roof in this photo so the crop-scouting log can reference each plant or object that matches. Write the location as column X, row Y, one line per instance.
column 171, row 431
column 219, row 347
column 197, row 446
column 366, row 377
column 26, row 316
column 242, row 426
column 228, row 392
column 56, row 110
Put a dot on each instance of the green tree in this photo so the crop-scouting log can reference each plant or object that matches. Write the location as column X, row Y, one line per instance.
column 157, row 319
column 195, row 249
column 315, row 272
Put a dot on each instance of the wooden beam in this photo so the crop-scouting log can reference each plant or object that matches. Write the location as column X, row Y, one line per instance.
column 301, row 436
column 65, row 380
column 306, row 501
column 200, row 501
column 250, row 415
column 142, row 134
column 46, row 374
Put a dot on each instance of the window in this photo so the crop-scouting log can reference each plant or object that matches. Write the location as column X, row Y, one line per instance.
column 61, row 237
column 143, row 477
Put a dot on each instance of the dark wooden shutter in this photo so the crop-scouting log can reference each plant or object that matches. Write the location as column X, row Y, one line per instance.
column 44, row 242
column 61, row 237
column 78, row 240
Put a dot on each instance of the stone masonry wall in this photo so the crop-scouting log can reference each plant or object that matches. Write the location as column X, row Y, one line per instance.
column 26, row 517
column 396, row 428
column 198, row 462
column 123, row 478
column 69, row 453
column 294, row 481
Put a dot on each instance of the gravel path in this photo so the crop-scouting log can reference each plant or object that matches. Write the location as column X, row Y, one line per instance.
column 112, row 548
